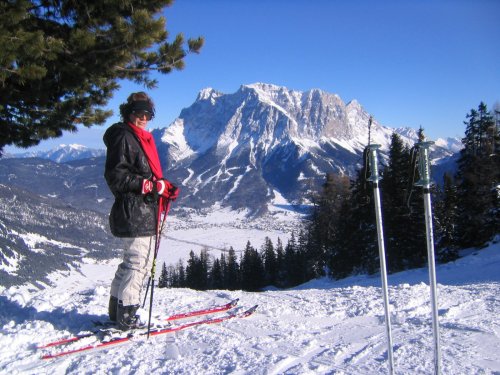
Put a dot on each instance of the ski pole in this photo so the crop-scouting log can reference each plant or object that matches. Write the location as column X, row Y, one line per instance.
column 425, row 181
column 374, row 178
column 147, row 290
column 159, row 227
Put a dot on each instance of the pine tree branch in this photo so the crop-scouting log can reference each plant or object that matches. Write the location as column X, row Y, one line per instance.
column 171, row 65
column 9, row 70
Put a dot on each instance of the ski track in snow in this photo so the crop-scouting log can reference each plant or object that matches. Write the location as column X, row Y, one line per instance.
column 321, row 327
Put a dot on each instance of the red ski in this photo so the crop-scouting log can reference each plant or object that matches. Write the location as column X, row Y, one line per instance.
column 207, row 311
column 161, row 331
column 210, row 310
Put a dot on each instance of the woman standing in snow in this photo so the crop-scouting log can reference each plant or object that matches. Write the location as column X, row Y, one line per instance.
column 134, row 176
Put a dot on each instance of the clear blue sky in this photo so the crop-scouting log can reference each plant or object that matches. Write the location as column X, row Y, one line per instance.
column 409, row 63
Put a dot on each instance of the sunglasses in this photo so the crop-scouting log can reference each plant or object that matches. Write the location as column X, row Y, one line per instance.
column 141, row 114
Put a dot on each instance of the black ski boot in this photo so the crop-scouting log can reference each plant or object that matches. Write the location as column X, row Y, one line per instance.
column 112, row 307
column 126, row 317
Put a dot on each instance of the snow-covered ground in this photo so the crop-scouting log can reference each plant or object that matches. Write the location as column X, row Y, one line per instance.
column 322, row 327
column 219, row 229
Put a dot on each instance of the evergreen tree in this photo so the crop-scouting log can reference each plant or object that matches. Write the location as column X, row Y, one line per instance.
column 163, row 279
column 393, row 196
column 356, row 250
column 216, row 276
column 61, row 61
column 328, row 232
column 232, row 271
column 195, row 278
column 471, row 139
column 270, row 262
column 322, row 232
column 252, row 269
column 280, row 264
column 445, row 215
column 204, row 267
column 308, row 265
column 478, row 177
column 181, row 275
column 402, row 205
column 223, row 269
column 191, row 270
column 171, row 276
column 292, row 264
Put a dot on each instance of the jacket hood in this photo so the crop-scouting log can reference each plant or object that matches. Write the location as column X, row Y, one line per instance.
column 113, row 131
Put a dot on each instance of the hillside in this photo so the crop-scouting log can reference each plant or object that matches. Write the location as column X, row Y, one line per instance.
column 39, row 235
column 322, row 327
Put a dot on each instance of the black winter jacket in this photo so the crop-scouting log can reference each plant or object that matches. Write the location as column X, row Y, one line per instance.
column 126, row 168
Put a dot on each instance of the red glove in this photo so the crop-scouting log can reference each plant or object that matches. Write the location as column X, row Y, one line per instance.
column 167, row 189
column 147, row 187
column 173, row 192
column 161, row 187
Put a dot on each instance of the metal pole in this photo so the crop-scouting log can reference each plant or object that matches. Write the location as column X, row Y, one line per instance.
column 374, row 178
column 425, row 181
column 159, row 227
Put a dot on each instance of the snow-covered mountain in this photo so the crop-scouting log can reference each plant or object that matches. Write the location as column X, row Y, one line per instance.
column 39, row 235
column 63, row 153
column 241, row 149
column 78, row 184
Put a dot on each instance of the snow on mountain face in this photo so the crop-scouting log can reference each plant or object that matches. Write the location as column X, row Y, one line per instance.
column 64, row 153
column 40, row 235
column 237, row 149
column 452, row 144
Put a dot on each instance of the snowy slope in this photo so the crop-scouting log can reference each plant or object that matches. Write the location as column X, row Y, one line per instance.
column 322, row 327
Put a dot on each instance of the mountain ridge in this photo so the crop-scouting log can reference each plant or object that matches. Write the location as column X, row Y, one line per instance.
column 265, row 138
column 260, row 140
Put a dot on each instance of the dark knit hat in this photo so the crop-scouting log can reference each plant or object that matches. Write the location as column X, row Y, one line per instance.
column 138, row 101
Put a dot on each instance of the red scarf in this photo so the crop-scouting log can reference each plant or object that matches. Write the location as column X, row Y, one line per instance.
column 149, row 147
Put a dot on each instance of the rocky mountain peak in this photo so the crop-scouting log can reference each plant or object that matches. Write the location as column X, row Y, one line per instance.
column 263, row 139
column 246, row 148
column 208, row 94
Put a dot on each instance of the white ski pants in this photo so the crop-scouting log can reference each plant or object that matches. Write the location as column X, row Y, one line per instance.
column 130, row 275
